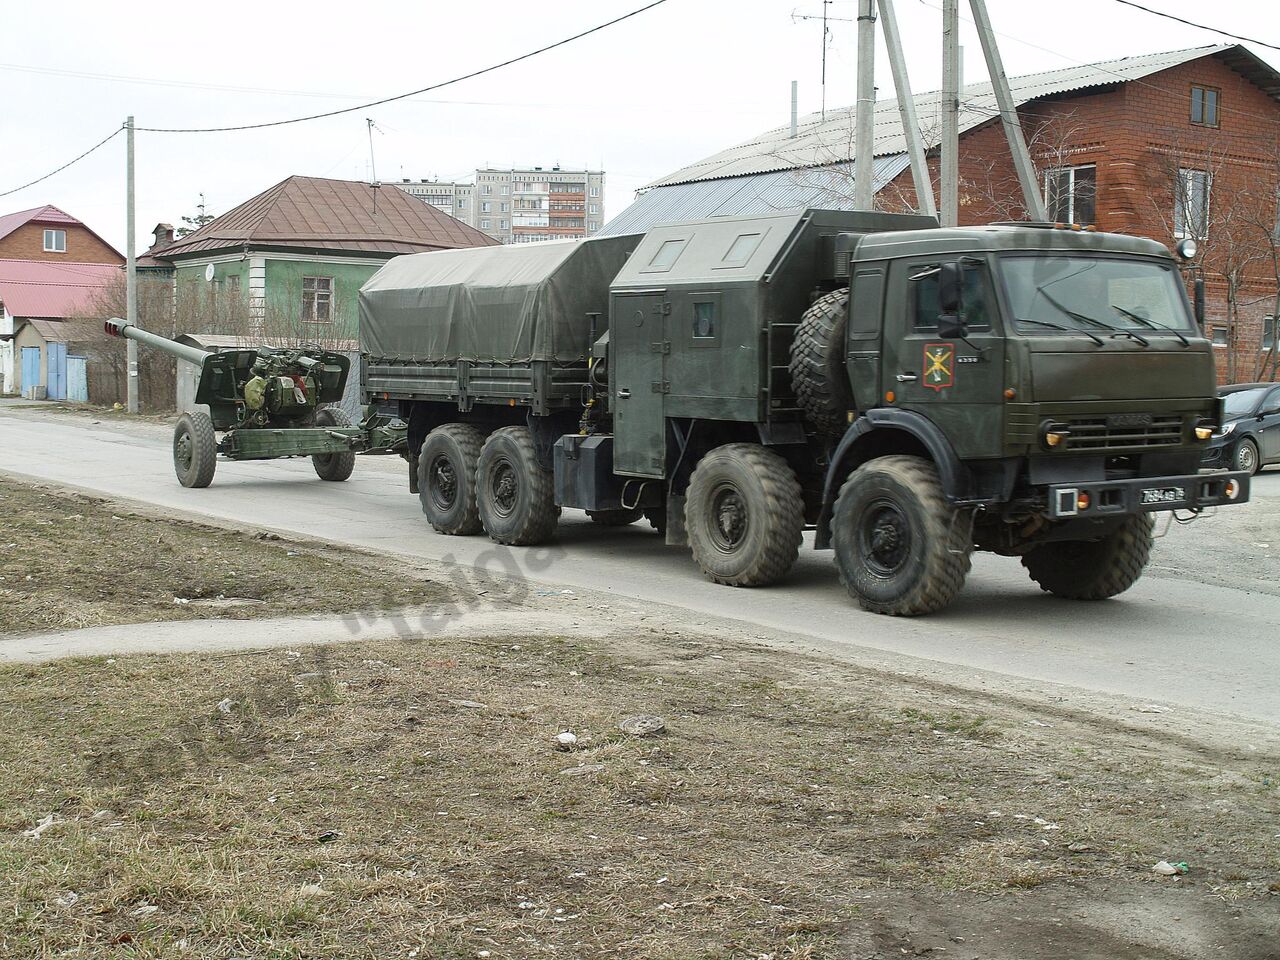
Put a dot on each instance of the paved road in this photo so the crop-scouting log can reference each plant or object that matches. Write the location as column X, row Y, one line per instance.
column 1175, row 637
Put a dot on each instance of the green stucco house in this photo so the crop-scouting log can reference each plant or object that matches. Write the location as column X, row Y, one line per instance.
column 289, row 262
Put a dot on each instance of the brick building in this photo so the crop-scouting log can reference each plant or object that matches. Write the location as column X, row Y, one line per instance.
column 1168, row 145
column 47, row 233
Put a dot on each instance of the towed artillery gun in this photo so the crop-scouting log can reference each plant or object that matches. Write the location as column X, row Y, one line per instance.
column 268, row 404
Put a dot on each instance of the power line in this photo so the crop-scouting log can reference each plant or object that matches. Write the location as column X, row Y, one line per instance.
column 1198, row 26
column 51, row 173
column 411, row 93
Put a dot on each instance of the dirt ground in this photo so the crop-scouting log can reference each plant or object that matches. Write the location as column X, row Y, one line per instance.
column 409, row 798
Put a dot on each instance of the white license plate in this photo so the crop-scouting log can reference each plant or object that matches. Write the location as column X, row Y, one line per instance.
column 1163, row 495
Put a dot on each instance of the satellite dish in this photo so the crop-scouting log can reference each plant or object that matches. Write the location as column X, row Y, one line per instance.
column 208, row 273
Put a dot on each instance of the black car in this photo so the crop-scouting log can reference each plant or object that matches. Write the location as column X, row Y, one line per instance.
column 1249, row 438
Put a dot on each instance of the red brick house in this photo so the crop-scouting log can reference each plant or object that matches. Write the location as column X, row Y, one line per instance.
column 47, row 233
column 1166, row 145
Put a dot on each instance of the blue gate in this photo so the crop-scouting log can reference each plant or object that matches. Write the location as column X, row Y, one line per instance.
column 57, row 370
column 30, row 367
column 77, row 379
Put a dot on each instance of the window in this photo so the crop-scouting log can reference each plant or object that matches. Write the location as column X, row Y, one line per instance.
column 1069, row 194
column 317, row 299
column 595, row 191
column 55, row 241
column 233, row 285
column 462, row 203
column 485, row 206
column 704, row 321
column 741, row 249
column 593, row 225
column 504, row 207
column 1204, row 106
column 486, row 189
column 1219, row 336
column 503, row 224
column 484, row 224
column 666, row 256
column 1268, row 333
column 593, row 208
column 1191, row 204
column 974, row 309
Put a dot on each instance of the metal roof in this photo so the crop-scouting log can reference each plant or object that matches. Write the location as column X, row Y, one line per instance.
column 829, row 187
column 342, row 215
column 822, row 142
column 40, row 288
column 48, row 214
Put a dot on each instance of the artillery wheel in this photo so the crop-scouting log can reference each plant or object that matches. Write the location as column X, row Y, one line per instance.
column 744, row 515
column 1093, row 569
column 615, row 518
column 515, row 496
column 447, row 479
column 819, row 376
column 901, row 549
column 195, row 450
column 333, row 466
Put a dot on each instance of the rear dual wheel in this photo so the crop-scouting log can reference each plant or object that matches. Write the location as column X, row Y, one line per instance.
column 515, row 496
column 447, row 479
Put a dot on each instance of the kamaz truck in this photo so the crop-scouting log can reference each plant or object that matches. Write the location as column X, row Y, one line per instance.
column 909, row 393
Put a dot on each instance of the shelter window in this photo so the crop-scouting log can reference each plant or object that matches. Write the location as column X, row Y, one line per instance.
column 1204, row 106
column 666, row 256
column 741, row 249
column 704, row 320
column 317, row 299
column 55, row 241
column 1070, row 194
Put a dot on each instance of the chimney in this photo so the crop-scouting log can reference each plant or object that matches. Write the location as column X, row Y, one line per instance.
column 163, row 236
column 795, row 107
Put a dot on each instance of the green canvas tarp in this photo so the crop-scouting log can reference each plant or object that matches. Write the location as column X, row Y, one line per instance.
column 508, row 304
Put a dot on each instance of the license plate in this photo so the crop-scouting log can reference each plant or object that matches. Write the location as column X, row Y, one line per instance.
column 1163, row 495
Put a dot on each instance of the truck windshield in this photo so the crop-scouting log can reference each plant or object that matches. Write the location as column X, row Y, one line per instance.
column 1092, row 294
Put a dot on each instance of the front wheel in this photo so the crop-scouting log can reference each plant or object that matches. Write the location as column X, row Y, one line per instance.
column 1093, row 569
column 515, row 495
column 333, row 466
column 744, row 515
column 900, row 547
column 1246, row 457
column 195, row 450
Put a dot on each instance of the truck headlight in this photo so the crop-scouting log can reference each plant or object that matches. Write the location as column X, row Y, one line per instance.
column 1054, row 435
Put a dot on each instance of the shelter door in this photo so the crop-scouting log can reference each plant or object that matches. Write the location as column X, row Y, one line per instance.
column 637, row 383
column 30, row 367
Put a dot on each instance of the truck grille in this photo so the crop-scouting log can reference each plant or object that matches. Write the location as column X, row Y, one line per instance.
column 1124, row 430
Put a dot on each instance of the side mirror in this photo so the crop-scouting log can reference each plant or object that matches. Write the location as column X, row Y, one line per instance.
column 1199, row 302
column 950, row 326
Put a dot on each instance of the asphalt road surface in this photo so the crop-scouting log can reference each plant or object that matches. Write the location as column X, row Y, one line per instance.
column 1201, row 629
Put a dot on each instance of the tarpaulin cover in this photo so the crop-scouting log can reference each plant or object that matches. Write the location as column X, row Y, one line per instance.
column 508, row 304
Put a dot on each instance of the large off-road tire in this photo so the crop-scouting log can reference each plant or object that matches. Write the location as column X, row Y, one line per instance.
column 195, row 450
column 615, row 518
column 744, row 515
column 1093, row 569
column 900, row 547
column 1245, row 457
column 515, row 495
column 818, row 371
column 447, row 479
column 333, row 466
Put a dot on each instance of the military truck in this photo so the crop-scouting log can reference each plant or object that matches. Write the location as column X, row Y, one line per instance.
column 909, row 393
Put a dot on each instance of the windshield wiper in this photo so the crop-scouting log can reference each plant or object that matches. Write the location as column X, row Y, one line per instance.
column 1057, row 326
column 1133, row 336
column 1152, row 324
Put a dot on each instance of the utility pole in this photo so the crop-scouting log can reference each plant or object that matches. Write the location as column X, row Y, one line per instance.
column 950, row 146
column 1031, row 198
column 131, row 274
column 864, row 114
column 907, row 110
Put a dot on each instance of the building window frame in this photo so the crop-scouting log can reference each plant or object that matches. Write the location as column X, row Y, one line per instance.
column 1206, row 105
column 1192, row 196
column 55, row 241
column 1057, row 191
column 317, row 299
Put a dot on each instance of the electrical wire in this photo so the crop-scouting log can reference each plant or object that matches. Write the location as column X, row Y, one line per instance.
column 1198, row 26
column 32, row 183
column 411, row 93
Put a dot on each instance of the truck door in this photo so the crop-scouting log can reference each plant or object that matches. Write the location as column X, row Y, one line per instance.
column 956, row 383
column 637, row 334
column 1269, row 428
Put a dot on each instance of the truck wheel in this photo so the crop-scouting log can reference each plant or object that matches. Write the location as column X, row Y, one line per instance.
column 615, row 518
column 900, row 547
column 818, row 373
column 1246, row 457
column 195, row 450
column 514, row 494
column 447, row 479
column 1093, row 569
column 744, row 515
column 333, row 466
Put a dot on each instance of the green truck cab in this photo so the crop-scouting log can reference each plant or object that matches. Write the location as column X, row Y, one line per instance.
column 909, row 393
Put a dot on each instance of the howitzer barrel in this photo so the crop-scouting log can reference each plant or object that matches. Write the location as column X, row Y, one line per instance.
column 123, row 328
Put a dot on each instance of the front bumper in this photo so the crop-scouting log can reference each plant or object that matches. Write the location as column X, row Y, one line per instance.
column 1208, row 488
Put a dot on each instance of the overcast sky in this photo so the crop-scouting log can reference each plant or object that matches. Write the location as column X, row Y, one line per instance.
column 639, row 99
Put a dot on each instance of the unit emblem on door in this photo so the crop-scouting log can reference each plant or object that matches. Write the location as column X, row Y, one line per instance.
column 939, row 365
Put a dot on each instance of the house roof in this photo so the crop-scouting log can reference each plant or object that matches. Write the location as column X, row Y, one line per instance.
column 51, row 331
column 340, row 215
column 823, row 142
column 39, row 288
column 49, row 214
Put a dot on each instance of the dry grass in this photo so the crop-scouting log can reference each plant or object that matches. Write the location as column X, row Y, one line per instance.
column 70, row 560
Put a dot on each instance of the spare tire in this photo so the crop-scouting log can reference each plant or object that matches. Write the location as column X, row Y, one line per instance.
column 817, row 366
